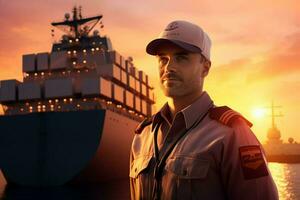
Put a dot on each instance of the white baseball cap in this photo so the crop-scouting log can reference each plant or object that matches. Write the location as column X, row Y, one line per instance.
column 187, row 35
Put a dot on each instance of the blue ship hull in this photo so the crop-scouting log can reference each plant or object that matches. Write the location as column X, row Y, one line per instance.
column 55, row 148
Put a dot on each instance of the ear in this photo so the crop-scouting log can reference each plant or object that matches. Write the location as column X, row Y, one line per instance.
column 206, row 67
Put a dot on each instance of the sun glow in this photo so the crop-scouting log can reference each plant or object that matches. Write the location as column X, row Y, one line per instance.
column 259, row 113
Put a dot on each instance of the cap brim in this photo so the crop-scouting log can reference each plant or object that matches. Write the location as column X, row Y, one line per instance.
column 154, row 45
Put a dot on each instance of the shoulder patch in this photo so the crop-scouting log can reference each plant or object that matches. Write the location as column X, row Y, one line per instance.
column 142, row 125
column 226, row 115
column 252, row 162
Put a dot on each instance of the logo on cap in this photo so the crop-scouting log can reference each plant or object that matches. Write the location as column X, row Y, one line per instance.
column 172, row 26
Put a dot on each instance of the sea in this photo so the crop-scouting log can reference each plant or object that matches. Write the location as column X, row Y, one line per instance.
column 286, row 177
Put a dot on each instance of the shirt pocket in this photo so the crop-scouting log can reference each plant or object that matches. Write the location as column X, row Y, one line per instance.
column 138, row 165
column 188, row 167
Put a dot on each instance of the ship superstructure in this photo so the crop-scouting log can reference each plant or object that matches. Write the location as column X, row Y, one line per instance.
column 72, row 119
column 81, row 72
column 276, row 150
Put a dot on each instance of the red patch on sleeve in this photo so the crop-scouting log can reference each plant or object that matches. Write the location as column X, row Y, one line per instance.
column 252, row 162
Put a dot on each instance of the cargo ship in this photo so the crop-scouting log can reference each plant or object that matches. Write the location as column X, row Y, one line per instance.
column 72, row 118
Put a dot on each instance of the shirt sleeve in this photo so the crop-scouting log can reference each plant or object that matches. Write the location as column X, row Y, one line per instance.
column 244, row 169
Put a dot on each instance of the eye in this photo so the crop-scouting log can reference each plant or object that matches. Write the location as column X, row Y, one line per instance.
column 180, row 58
column 162, row 60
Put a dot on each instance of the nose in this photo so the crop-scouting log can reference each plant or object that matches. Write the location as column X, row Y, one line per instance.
column 171, row 65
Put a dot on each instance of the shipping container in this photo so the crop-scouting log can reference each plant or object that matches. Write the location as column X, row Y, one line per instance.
column 60, row 60
column 129, row 64
column 29, row 91
column 131, row 82
column 118, row 93
column 143, row 89
column 137, row 85
column 58, row 88
column 77, row 84
column 96, row 86
column 105, row 87
column 133, row 72
column 142, row 76
column 42, row 61
column 124, row 77
column 151, row 95
column 147, row 79
column 8, row 90
column 129, row 99
column 114, row 57
column 28, row 63
column 137, row 103
column 144, row 107
column 123, row 63
column 95, row 59
column 110, row 71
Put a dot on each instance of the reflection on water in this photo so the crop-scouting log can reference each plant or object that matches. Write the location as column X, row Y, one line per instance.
column 287, row 179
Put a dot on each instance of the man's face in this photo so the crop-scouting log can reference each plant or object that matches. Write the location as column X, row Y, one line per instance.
column 181, row 72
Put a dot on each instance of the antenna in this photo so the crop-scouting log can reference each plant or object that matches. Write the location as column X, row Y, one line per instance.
column 80, row 16
column 273, row 113
column 77, row 26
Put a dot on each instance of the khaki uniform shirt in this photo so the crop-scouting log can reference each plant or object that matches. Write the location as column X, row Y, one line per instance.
column 206, row 163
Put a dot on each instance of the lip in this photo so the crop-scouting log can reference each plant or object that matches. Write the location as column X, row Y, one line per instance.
column 171, row 79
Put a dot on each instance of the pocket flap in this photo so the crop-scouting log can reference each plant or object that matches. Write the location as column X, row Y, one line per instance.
column 138, row 165
column 188, row 167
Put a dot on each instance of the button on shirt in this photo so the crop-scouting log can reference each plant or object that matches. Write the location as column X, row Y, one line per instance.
column 204, row 164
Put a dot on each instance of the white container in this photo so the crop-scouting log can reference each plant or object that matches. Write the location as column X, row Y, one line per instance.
column 58, row 88
column 28, row 63
column 42, row 61
column 96, row 86
column 59, row 60
column 29, row 91
column 8, row 90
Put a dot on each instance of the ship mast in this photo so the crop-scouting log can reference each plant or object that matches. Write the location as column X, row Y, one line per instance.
column 273, row 133
column 78, row 26
column 273, row 114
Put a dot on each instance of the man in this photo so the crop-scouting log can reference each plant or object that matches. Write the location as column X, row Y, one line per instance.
column 192, row 149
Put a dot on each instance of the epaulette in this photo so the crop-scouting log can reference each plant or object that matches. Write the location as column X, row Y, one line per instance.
column 142, row 125
column 226, row 115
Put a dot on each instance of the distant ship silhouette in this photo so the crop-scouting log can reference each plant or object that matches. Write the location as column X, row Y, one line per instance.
column 278, row 151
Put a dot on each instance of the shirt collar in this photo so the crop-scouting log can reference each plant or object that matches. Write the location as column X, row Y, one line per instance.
column 191, row 113
column 197, row 109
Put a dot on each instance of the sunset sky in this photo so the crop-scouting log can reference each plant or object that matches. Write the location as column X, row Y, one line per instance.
column 255, row 46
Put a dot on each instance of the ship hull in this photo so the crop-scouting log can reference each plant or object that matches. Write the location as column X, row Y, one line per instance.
column 55, row 148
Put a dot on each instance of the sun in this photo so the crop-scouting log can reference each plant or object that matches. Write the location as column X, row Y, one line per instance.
column 258, row 113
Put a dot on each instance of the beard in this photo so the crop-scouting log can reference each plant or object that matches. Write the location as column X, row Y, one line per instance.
column 173, row 88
